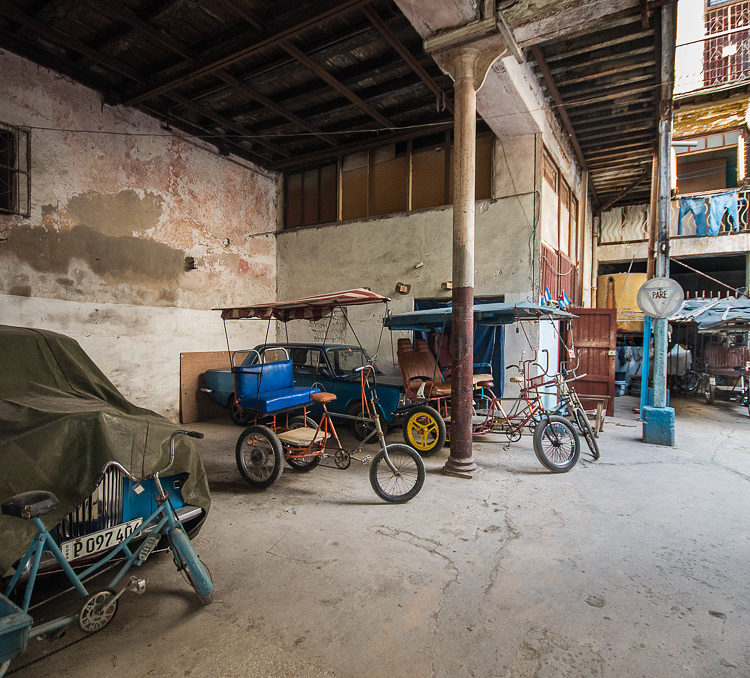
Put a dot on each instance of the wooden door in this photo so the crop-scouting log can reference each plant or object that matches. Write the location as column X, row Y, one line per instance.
column 594, row 337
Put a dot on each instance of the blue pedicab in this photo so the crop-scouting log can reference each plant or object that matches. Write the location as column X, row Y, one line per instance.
column 282, row 429
column 16, row 625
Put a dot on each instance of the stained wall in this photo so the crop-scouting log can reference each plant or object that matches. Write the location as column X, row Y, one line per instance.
column 117, row 204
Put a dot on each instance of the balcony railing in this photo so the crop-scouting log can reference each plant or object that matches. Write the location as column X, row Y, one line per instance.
column 726, row 57
column 725, row 227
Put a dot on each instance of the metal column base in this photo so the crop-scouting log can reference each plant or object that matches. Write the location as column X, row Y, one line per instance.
column 460, row 468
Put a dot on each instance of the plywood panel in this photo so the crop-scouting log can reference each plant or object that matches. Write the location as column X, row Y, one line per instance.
column 293, row 195
column 389, row 179
column 194, row 404
column 428, row 178
column 328, row 195
column 354, row 193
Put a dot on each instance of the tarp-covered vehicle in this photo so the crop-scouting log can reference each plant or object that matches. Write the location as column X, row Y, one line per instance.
column 61, row 421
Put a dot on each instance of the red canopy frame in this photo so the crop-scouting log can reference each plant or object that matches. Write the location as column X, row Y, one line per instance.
column 308, row 308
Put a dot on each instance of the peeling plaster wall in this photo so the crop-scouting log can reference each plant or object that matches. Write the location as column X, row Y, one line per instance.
column 114, row 213
column 387, row 251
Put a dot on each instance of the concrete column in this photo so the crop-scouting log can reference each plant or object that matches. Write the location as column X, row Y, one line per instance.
column 461, row 459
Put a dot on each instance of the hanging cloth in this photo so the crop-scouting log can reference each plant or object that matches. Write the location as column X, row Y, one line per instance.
column 720, row 203
column 698, row 207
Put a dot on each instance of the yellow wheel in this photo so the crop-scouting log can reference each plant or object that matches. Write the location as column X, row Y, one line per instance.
column 424, row 430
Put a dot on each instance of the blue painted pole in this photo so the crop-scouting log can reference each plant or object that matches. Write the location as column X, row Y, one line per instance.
column 645, row 361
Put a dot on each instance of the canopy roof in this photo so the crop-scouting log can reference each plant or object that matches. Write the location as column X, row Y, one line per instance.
column 715, row 314
column 308, row 308
column 501, row 313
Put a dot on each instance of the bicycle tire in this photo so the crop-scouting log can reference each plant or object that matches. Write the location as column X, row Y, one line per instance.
column 363, row 426
column 188, row 562
column 585, row 427
column 424, row 430
column 547, row 447
column 393, row 488
column 303, row 464
column 259, row 455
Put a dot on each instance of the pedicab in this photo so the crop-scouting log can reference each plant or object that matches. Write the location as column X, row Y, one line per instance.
column 428, row 417
column 281, row 428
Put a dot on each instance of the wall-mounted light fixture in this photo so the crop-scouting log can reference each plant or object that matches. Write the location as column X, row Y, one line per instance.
column 402, row 288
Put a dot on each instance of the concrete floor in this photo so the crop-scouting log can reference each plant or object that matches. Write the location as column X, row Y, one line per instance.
column 636, row 565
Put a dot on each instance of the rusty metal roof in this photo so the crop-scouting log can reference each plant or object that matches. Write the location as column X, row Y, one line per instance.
column 604, row 84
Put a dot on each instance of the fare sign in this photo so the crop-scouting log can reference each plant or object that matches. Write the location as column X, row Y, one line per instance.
column 660, row 297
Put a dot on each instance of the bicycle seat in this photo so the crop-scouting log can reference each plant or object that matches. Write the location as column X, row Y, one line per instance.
column 517, row 380
column 29, row 504
column 323, row 397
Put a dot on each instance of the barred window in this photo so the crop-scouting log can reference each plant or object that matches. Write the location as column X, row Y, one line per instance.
column 15, row 177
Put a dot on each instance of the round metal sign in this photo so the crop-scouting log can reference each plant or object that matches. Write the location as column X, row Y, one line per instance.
column 660, row 297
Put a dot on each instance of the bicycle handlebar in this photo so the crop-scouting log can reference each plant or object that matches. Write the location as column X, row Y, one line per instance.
column 130, row 476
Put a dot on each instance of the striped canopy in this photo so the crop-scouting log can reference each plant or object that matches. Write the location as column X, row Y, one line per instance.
column 309, row 308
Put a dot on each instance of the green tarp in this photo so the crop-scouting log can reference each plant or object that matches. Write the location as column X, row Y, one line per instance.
column 62, row 420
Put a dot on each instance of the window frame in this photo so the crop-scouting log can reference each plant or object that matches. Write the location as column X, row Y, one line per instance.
column 20, row 138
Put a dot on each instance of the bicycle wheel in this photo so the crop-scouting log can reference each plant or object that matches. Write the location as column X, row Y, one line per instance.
column 240, row 415
column 556, row 444
column 424, row 429
column 363, row 425
column 190, row 565
column 406, row 482
column 303, row 464
column 259, row 456
column 709, row 394
column 585, row 427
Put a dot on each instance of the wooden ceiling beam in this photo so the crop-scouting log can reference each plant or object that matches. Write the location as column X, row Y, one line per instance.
column 211, row 65
column 555, row 94
column 170, row 43
column 392, row 39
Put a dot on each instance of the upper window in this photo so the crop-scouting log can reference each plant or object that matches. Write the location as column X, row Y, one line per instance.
column 401, row 177
column 713, row 162
column 726, row 54
column 15, row 179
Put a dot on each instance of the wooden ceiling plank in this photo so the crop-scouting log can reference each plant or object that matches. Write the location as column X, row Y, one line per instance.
column 57, row 37
column 392, row 39
column 212, row 65
column 593, row 75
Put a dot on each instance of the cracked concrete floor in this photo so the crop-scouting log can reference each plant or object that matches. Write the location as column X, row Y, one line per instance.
column 636, row 565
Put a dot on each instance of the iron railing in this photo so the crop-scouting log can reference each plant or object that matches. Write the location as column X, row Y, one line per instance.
column 726, row 56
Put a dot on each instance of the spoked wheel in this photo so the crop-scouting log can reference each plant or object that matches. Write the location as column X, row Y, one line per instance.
column 259, row 456
column 97, row 611
column 585, row 427
column 193, row 568
column 556, row 444
column 303, row 464
column 424, row 429
column 240, row 415
column 709, row 394
column 406, row 482
column 363, row 425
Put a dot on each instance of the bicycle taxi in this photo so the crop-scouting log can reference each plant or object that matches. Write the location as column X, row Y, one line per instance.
column 427, row 422
column 17, row 625
column 281, row 426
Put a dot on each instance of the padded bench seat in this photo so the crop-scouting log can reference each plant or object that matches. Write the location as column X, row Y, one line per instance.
column 269, row 387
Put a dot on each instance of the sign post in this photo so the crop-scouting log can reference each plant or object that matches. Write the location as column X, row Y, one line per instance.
column 659, row 298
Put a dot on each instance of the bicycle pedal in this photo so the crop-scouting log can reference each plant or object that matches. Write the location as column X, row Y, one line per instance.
column 137, row 586
column 149, row 544
column 366, row 459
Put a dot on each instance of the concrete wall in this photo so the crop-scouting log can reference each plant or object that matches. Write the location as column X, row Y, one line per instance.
column 116, row 207
column 414, row 249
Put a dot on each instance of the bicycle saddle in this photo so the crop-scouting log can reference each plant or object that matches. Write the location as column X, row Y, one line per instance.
column 517, row 380
column 29, row 504
column 323, row 397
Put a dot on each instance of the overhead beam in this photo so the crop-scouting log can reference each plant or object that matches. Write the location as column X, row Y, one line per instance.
column 392, row 39
column 555, row 94
column 380, row 140
column 170, row 43
column 211, row 65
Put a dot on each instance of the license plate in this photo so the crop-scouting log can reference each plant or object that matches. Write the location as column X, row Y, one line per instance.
column 99, row 541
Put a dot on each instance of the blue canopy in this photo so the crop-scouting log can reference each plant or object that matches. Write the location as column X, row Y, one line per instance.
column 500, row 313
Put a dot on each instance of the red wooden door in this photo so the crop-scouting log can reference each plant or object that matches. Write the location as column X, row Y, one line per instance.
column 594, row 337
